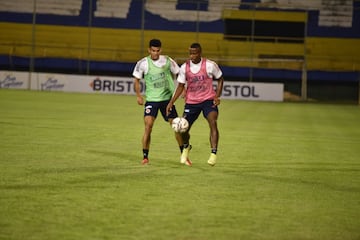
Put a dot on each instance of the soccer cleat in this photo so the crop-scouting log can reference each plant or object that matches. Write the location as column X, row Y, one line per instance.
column 188, row 162
column 212, row 159
column 185, row 155
column 145, row 161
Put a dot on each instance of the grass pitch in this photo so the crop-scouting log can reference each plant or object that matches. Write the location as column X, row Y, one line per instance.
column 70, row 169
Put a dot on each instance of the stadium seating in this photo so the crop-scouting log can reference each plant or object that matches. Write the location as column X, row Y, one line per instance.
column 168, row 10
column 57, row 7
column 127, row 45
column 112, row 8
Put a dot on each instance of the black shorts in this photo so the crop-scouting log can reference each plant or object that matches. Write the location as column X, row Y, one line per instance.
column 192, row 111
column 152, row 109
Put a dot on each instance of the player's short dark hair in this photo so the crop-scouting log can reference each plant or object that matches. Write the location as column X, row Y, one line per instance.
column 196, row 45
column 155, row 43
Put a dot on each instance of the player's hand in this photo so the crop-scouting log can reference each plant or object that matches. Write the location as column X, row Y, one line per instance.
column 168, row 108
column 140, row 100
column 216, row 101
column 183, row 94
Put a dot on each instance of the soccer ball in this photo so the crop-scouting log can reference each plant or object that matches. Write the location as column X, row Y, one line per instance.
column 180, row 124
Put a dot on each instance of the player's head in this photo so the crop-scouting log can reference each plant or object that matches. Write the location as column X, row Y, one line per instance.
column 154, row 48
column 154, row 43
column 195, row 52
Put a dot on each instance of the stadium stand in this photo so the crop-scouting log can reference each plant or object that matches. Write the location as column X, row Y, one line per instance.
column 189, row 10
column 57, row 7
column 61, row 40
column 336, row 13
column 112, row 8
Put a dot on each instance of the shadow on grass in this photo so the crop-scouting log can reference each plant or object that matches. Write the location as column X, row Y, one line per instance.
column 300, row 172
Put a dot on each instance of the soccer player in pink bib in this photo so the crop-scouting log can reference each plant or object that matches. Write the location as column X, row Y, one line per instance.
column 198, row 74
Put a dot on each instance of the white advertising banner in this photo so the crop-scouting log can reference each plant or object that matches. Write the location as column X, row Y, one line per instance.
column 253, row 91
column 125, row 85
column 15, row 80
column 83, row 83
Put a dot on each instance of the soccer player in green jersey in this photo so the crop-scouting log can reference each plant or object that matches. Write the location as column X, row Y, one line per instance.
column 159, row 72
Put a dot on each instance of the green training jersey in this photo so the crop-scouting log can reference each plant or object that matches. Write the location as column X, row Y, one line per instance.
column 159, row 83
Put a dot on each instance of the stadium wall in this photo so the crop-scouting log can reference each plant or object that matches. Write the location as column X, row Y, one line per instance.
column 235, row 90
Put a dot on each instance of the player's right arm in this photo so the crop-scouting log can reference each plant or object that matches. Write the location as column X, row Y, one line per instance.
column 139, row 70
column 139, row 98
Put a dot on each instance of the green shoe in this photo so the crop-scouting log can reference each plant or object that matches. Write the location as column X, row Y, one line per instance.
column 185, row 155
column 212, row 159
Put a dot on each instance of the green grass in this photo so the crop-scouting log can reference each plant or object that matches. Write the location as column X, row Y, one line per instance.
column 70, row 169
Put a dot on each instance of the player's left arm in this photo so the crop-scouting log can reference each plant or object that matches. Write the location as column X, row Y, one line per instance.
column 218, row 76
column 219, row 88
column 174, row 67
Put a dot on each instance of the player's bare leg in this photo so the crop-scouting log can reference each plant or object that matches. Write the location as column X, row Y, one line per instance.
column 180, row 141
column 146, row 140
column 184, row 158
column 214, row 136
column 178, row 137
